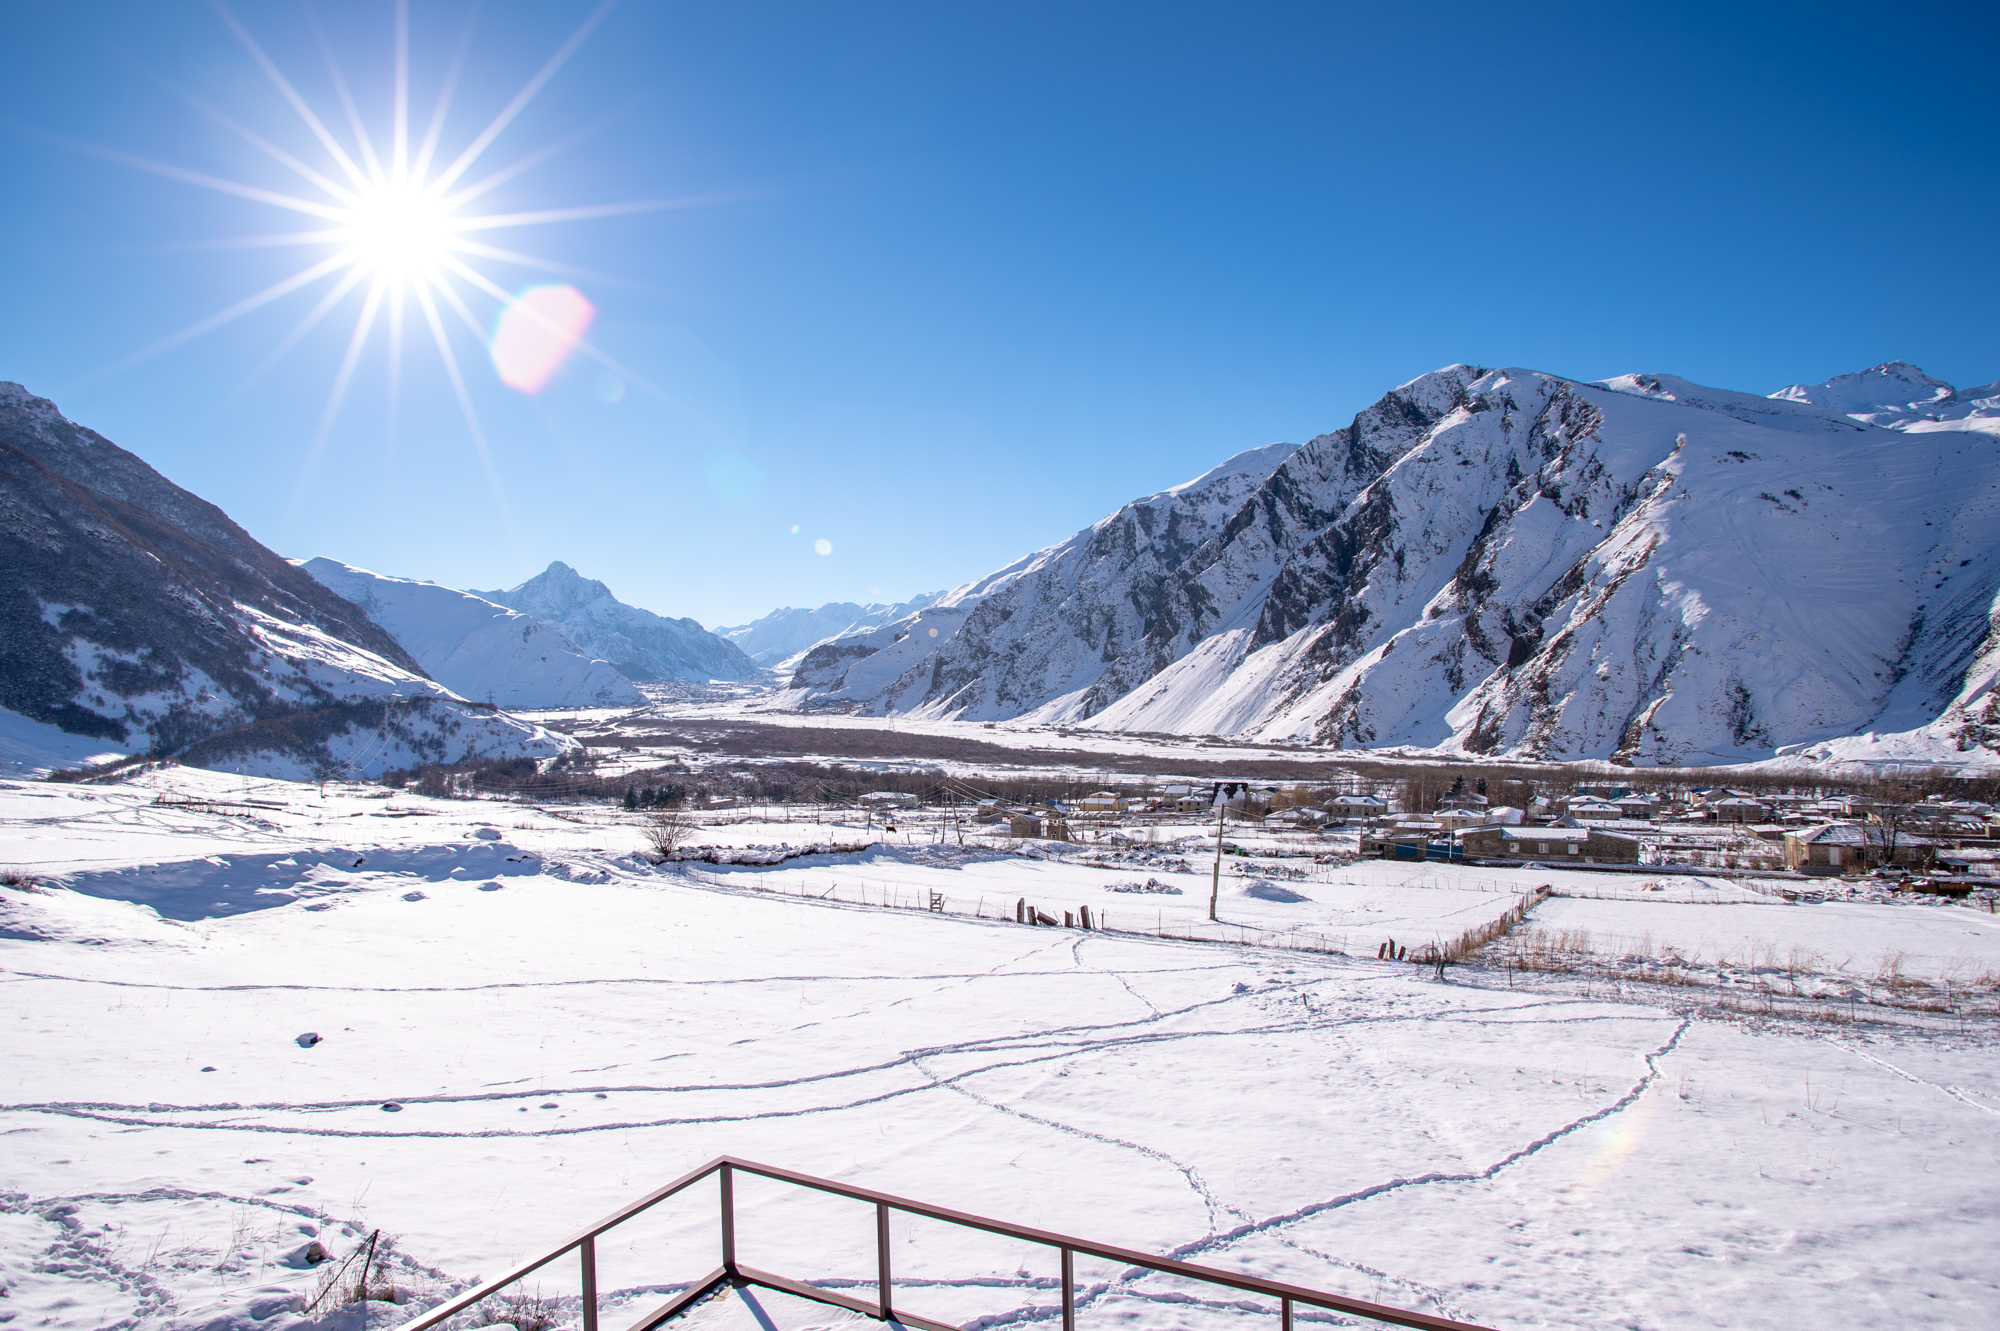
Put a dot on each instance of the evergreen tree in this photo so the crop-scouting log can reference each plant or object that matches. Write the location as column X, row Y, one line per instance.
column 631, row 798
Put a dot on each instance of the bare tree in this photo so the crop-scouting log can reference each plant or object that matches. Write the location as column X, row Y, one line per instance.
column 667, row 832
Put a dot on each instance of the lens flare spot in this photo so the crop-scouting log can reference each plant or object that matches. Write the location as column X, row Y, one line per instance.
column 536, row 334
column 823, row 546
column 933, row 633
column 610, row 389
column 795, row 529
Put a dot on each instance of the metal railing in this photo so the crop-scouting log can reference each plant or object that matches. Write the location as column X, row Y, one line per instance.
column 885, row 1308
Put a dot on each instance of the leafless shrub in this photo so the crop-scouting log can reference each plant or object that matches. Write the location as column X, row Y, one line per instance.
column 668, row 832
column 523, row 1312
column 19, row 879
column 360, row 1277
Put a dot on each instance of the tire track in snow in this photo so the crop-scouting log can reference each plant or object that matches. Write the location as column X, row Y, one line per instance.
column 1953, row 1091
column 130, row 1114
column 1186, row 1171
column 1534, row 1147
column 12, row 976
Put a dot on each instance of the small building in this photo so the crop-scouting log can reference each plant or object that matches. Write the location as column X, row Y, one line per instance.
column 1551, row 845
column 1101, row 801
column 1838, row 848
column 1739, row 809
column 1024, row 825
column 988, row 811
column 1453, row 819
column 1594, row 811
column 889, row 799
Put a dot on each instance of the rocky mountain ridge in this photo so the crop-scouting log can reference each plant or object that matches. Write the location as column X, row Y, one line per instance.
column 138, row 613
column 1511, row 563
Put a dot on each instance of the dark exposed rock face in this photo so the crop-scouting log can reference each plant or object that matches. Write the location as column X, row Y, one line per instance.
column 120, row 605
column 136, row 612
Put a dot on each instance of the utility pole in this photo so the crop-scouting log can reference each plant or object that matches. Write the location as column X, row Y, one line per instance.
column 1221, row 813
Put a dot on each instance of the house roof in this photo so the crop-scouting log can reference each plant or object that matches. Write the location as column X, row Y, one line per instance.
column 1854, row 834
column 1551, row 834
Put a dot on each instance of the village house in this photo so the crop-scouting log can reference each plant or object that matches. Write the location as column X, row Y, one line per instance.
column 1839, row 848
column 1350, row 808
column 1552, row 845
column 1453, row 819
column 1101, row 801
column 1594, row 811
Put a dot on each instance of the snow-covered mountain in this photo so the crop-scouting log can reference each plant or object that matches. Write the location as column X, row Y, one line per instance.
column 639, row 643
column 1051, row 625
column 779, row 637
column 1902, row 397
column 1507, row 562
column 476, row 648
column 136, row 613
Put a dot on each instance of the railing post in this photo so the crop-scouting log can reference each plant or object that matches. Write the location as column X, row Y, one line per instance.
column 1284, row 1314
column 589, row 1250
column 882, row 1258
column 729, row 1221
column 1069, row 1289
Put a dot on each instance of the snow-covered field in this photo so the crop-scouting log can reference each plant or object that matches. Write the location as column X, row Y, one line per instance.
column 524, row 1024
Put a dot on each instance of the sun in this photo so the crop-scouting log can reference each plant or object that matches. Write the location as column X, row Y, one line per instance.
column 395, row 228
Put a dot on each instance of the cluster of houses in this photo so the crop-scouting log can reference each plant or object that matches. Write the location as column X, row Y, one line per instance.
column 1597, row 824
column 1615, row 825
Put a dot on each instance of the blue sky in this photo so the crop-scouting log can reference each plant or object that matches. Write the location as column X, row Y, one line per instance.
column 952, row 281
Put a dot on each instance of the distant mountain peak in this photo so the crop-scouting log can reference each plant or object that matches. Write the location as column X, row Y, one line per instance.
column 1900, row 396
column 638, row 643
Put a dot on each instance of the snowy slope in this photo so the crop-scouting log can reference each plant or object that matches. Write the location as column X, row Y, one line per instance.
column 476, row 648
column 1902, row 397
column 137, row 614
column 639, row 643
column 1506, row 562
column 1052, row 625
column 784, row 634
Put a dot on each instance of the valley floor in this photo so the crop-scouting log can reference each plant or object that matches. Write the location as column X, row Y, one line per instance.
column 524, row 1023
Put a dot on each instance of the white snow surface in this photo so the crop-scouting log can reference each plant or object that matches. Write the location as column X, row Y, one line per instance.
column 1508, row 563
column 562, row 1027
column 476, row 648
column 32, row 748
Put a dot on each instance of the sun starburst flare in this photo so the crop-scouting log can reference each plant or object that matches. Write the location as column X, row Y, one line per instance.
column 395, row 228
